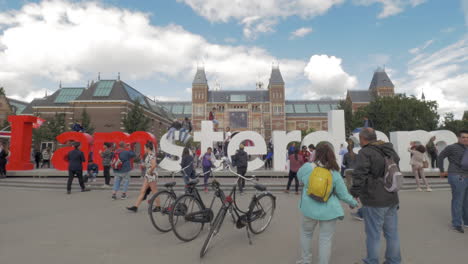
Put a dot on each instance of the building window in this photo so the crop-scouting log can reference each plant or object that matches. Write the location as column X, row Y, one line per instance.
column 238, row 98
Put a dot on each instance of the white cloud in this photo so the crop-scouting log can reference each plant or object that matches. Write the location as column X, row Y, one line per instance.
column 442, row 76
column 448, row 30
column 390, row 7
column 421, row 48
column 327, row 77
column 60, row 40
column 300, row 32
column 259, row 16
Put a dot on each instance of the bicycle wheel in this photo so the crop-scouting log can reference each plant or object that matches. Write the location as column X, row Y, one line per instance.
column 261, row 212
column 160, row 218
column 186, row 230
column 214, row 230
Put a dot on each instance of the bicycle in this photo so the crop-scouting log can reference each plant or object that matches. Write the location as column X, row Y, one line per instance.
column 163, row 210
column 262, row 207
column 190, row 213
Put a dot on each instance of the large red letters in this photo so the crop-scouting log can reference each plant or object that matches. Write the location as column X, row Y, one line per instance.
column 59, row 158
column 20, row 142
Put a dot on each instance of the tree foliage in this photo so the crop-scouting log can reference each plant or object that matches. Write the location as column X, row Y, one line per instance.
column 86, row 122
column 450, row 123
column 305, row 132
column 135, row 120
column 396, row 113
column 50, row 129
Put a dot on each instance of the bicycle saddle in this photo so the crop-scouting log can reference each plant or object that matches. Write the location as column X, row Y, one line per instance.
column 169, row 184
column 260, row 187
column 193, row 182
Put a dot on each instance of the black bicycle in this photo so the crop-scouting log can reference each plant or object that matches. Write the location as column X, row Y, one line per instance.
column 160, row 205
column 256, row 219
column 190, row 213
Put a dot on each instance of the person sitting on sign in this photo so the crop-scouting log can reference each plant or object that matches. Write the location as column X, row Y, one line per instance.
column 212, row 118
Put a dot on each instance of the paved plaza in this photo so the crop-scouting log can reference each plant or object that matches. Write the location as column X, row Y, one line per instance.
column 48, row 226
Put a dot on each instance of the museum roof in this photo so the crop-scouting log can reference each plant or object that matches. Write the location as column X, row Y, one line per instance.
column 380, row 79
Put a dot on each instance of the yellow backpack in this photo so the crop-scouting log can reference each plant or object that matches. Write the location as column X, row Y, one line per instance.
column 320, row 184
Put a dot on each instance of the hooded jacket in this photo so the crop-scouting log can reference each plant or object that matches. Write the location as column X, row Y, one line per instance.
column 368, row 175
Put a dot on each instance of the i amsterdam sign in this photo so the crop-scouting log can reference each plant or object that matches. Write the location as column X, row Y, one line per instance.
column 22, row 127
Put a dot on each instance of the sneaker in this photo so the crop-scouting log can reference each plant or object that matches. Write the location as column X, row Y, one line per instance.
column 357, row 216
column 419, row 190
column 429, row 190
column 114, row 197
column 133, row 209
column 157, row 209
column 124, row 196
column 68, row 192
column 286, row 191
column 459, row 229
column 85, row 190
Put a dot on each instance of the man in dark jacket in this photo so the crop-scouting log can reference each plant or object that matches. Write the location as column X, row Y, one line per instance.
column 240, row 160
column 380, row 207
column 457, row 155
column 75, row 167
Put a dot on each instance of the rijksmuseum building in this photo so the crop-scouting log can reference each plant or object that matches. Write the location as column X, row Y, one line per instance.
column 262, row 109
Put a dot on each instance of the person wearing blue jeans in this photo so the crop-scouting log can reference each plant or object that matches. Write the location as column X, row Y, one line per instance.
column 377, row 219
column 321, row 214
column 457, row 155
column 122, row 172
column 380, row 206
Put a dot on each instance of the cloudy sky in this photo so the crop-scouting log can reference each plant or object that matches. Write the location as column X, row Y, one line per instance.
column 323, row 47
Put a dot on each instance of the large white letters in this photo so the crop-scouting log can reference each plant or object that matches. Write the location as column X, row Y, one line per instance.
column 258, row 148
column 280, row 143
column 167, row 147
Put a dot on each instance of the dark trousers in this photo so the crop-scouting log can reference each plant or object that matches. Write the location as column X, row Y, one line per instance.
column 44, row 163
column 241, row 181
column 107, row 174
column 71, row 175
column 268, row 164
column 38, row 164
column 433, row 160
column 292, row 175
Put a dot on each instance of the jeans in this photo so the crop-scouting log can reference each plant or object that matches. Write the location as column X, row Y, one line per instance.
column 121, row 177
column 171, row 132
column 107, row 174
column 206, row 175
column 376, row 220
column 292, row 176
column 183, row 133
column 459, row 185
column 71, row 175
column 327, row 229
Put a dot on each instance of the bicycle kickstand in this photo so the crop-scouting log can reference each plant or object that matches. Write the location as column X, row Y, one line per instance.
column 248, row 235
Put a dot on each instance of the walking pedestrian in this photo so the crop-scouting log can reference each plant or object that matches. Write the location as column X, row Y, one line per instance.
column 37, row 158
column 208, row 161
column 432, row 151
column 187, row 165
column 241, row 160
column 380, row 207
column 122, row 171
column 269, row 159
column 106, row 156
column 457, row 173
column 295, row 162
column 418, row 158
column 46, row 155
column 322, row 214
column 75, row 167
column 4, row 154
column 149, row 179
column 349, row 163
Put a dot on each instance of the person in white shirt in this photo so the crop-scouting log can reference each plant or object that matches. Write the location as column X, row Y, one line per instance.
column 227, row 138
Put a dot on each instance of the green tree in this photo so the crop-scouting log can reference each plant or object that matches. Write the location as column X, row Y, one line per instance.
column 305, row 132
column 86, row 122
column 135, row 120
column 450, row 123
column 465, row 115
column 399, row 113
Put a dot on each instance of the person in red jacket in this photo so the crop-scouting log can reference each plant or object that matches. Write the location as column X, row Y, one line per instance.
column 305, row 154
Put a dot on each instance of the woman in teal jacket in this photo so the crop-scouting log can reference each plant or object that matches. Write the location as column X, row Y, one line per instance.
column 318, row 213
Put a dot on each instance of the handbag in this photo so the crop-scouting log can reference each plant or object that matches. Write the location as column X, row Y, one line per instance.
column 425, row 163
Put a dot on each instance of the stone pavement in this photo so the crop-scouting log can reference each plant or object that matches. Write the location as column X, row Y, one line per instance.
column 47, row 226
